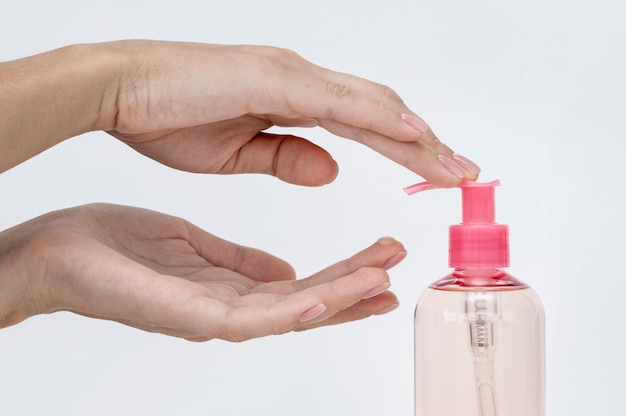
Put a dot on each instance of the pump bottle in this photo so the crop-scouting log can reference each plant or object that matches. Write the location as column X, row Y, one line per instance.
column 479, row 331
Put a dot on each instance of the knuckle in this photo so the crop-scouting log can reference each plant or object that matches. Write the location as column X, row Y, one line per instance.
column 275, row 58
column 233, row 334
column 230, row 328
column 281, row 53
column 389, row 93
column 278, row 329
column 338, row 90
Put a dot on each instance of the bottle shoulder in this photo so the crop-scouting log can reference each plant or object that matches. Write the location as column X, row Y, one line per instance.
column 485, row 279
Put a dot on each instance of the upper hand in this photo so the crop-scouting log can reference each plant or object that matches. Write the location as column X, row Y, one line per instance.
column 204, row 108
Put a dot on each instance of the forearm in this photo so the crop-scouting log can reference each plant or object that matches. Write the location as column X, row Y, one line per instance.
column 47, row 98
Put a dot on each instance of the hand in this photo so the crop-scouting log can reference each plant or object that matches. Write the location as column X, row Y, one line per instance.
column 162, row 274
column 203, row 108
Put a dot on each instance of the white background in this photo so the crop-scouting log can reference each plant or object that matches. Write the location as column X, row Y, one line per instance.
column 533, row 91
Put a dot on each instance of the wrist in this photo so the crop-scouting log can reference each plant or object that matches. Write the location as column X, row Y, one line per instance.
column 47, row 98
column 16, row 300
column 124, row 72
column 99, row 69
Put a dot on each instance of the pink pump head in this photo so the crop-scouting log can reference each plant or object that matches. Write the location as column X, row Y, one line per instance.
column 478, row 242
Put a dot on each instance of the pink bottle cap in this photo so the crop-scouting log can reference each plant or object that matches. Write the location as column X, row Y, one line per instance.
column 478, row 242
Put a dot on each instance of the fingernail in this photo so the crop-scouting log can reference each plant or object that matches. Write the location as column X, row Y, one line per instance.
column 453, row 167
column 313, row 312
column 386, row 241
column 466, row 164
column 415, row 122
column 387, row 309
column 376, row 291
column 394, row 260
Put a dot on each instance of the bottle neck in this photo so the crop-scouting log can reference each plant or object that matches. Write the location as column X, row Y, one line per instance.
column 468, row 278
column 479, row 272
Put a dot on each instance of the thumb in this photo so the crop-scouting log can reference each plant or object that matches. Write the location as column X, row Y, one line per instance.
column 289, row 158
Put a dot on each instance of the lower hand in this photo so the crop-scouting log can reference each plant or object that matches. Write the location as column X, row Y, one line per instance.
column 162, row 274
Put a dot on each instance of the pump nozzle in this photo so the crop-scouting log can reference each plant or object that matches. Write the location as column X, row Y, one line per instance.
column 478, row 241
column 426, row 186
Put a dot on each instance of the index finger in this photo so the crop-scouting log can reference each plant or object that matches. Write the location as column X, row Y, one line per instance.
column 358, row 102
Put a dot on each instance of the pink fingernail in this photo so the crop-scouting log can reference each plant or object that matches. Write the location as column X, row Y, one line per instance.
column 394, row 260
column 376, row 291
column 387, row 309
column 453, row 167
column 313, row 312
column 415, row 122
column 467, row 164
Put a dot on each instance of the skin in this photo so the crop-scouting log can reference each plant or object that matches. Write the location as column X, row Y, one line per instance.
column 162, row 274
column 198, row 108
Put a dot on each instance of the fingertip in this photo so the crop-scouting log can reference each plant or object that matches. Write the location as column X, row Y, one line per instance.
column 312, row 313
column 332, row 171
column 301, row 162
column 384, row 254
column 365, row 308
column 461, row 167
column 386, row 241
column 472, row 170
column 445, row 180
column 458, row 167
column 395, row 260
column 386, row 309
column 390, row 241
column 452, row 166
column 396, row 256
column 375, row 291
column 382, row 304
column 415, row 122
column 445, row 171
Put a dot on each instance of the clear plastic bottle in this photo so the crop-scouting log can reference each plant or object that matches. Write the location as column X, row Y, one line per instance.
column 479, row 332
